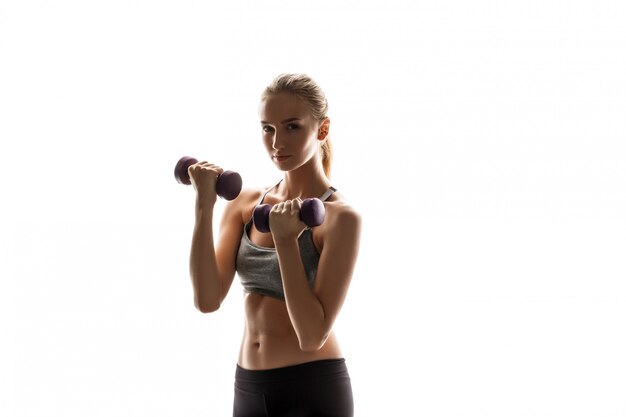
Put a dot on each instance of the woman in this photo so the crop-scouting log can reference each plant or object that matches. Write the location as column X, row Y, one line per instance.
column 295, row 278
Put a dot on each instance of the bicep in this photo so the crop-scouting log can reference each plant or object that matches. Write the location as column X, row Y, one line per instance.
column 337, row 262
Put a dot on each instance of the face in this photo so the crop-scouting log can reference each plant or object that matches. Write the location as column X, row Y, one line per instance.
column 290, row 133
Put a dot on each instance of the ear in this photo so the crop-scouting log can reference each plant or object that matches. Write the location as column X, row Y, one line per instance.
column 322, row 132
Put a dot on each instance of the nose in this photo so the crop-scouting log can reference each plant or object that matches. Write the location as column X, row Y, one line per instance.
column 278, row 142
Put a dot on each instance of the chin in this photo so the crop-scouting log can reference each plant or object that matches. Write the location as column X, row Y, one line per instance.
column 284, row 169
column 285, row 166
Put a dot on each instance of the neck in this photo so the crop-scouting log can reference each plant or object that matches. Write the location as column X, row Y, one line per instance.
column 307, row 181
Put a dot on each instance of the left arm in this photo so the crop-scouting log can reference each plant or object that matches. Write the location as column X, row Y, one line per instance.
column 313, row 311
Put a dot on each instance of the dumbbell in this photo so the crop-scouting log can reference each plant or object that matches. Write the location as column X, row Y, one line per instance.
column 228, row 185
column 311, row 213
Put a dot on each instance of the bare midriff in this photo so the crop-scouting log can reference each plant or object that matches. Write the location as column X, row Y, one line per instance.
column 269, row 340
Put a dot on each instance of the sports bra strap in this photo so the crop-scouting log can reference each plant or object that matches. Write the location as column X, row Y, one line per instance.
column 328, row 193
column 267, row 191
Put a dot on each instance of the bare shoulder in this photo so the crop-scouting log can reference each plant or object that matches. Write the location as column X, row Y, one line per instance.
column 246, row 201
column 339, row 209
column 342, row 222
column 340, row 236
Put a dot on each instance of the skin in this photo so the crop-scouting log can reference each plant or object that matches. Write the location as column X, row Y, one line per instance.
column 300, row 329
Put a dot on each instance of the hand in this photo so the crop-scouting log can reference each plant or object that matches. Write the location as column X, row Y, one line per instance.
column 203, row 176
column 285, row 223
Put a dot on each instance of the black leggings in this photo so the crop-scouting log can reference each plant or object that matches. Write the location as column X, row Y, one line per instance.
column 319, row 388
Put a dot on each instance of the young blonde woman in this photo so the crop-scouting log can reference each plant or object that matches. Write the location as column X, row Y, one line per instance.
column 295, row 278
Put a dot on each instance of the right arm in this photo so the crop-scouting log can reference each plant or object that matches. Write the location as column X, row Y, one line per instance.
column 212, row 269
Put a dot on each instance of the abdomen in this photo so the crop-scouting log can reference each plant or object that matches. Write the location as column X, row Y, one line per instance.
column 269, row 340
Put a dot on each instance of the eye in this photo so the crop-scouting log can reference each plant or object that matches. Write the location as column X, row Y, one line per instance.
column 265, row 128
column 293, row 125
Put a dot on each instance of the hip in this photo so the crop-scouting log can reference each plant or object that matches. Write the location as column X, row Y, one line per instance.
column 321, row 387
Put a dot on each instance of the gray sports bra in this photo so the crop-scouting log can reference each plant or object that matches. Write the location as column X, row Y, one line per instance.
column 258, row 267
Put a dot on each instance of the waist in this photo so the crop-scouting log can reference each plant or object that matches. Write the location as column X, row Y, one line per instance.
column 269, row 339
column 264, row 351
column 323, row 368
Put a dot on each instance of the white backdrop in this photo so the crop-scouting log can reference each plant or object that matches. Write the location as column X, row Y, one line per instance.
column 482, row 142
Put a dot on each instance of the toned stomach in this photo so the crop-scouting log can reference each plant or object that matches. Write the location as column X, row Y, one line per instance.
column 269, row 340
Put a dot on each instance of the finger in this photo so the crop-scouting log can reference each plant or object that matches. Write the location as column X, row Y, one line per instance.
column 197, row 165
column 296, row 205
column 288, row 208
column 217, row 170
column 196, row 170
column 211, row 167
column 276, row 208
column 206, row 164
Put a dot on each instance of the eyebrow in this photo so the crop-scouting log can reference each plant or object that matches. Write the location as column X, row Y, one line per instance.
column 291, row 119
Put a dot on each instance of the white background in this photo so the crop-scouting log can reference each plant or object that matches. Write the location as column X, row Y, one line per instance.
column 482, row 142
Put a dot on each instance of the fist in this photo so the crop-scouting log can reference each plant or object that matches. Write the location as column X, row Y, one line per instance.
column 284, row 219
column 203, row 176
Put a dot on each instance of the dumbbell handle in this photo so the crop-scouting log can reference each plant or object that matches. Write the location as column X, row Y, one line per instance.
column 312, row 213
column 228, row 185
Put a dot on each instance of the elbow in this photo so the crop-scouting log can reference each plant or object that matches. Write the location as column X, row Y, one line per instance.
column 310, row 347
column 312, row 344
column 210, row 309
column 207, row 307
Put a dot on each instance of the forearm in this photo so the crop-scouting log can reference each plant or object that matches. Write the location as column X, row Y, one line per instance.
column 304, row 308
column 203, row 264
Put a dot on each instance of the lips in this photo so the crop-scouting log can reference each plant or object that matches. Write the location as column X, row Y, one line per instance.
column 281, row 157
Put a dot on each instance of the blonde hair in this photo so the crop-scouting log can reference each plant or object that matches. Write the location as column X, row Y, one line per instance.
column 304, row 87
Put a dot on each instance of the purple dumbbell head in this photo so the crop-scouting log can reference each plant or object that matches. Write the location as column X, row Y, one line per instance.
column 261, row 218
column 180, row 170
column 312, row 212
column 228, row 185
